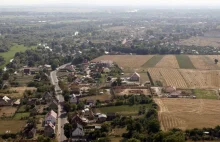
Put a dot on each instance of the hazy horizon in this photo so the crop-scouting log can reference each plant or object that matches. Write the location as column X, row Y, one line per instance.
column 153, row 3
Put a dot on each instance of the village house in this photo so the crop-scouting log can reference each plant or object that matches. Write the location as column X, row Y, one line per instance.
column 73, row 99
column 175, row 94
column 49, row 129
column 69, row 68
column 156, row 91
column 51, row 116
column 53, row 105
column 32, row 101
column 135, row 77
column 169, row 89
column 78, row 133
column 27, row 71
column 88, row 113
column 111, row 116
column 80, row 120
column 47, row 96
column 90, row 103
column 32, row 133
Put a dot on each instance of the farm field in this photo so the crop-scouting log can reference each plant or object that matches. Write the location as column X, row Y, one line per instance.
column 188, row 113
column 184, row 62
column 200, row 62
column 122, row 110
column 13, row 126
column 97, row 97
column 128, row 63
column 17, row 92
column 7, row 111
column 19, row 116
column 153, row 61
column 205, row 94
column 23, row 80
column 14, row 49
column 201, row 41
column 168, row 61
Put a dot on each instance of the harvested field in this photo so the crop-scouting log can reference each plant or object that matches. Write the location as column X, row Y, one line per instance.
column 184, row 62
column 200, row 63
column 153, row 61
column 188, row 113
column 168, row 61
column 201, row 41
column 210, row 59
column 156, row 75
column 128, row 63
column 173, row 77
column 13, row 126
column 201, row 78
column 7, row 111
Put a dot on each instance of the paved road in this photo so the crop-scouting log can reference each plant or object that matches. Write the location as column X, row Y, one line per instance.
column 62, row 117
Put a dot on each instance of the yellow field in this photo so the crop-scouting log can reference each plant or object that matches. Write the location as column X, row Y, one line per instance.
column 168, row 61
column 128, row 63
column 188, row 113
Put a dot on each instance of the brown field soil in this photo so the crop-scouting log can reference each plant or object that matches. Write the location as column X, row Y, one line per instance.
column 7, row 111
column 13, row 126
column 128, row 63
column 19, row 90
column 200, row 63
column 123, row 92
column 156, row 75
column 201, row 41
column 212, row 58
column 168, row 61
column 201, row 78
column 188, row 113
column 173, row 77
column 98, row 97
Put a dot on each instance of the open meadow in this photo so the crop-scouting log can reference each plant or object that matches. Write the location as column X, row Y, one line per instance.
column 188, row 113
column 14, row 49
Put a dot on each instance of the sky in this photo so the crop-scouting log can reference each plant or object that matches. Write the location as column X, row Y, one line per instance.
column 115, row 2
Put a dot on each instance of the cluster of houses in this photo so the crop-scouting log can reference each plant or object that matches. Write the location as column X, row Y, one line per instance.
column 7, row 101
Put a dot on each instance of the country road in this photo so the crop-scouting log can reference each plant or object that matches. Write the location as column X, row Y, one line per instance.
column 62, row 117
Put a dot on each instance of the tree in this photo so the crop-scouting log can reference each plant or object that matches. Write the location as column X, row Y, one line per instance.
column 153, row 126
column 216, row 61
column 133, row 140
column 67, row 130
column 105, row 127
column 43, row 139
column 67, row 107
column 5, row 76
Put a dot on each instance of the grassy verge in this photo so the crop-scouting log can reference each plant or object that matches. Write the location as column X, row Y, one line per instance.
column 205, row 94
column 10, row 54
column 122, row 110
column 184, row 62
column 13, row 126
column 18, row 116
column 153, row 61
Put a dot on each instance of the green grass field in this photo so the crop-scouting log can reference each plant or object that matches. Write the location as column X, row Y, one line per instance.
column 153, row 61
column 13, row 126
column 18, row 116
column 184, row 62
column 122, row 110
column 205, row 94
column 10, row 54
